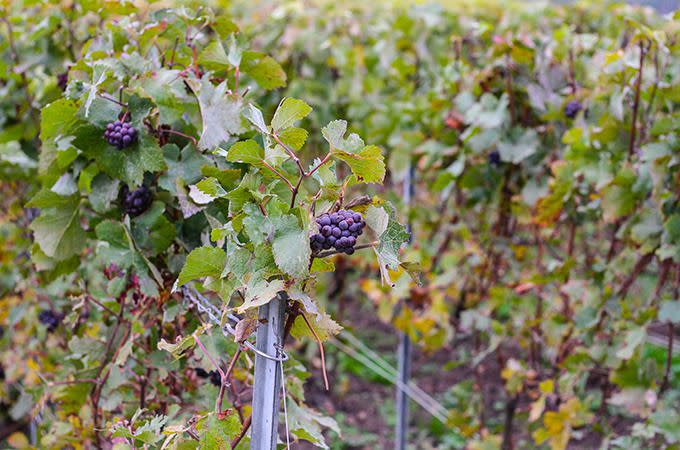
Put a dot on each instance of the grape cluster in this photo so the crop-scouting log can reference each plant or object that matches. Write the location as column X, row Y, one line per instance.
column 495, row 158
column 50, row 319
column 572, row 108
column 120, row 134
column 339, row 230
column 215, row 377
column 137, row 201
column 62, row 80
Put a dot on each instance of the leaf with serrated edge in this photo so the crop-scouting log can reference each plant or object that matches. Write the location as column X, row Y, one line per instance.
column 290, row 110
column 202, row 262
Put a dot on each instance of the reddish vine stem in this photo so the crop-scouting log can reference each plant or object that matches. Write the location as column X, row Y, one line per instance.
column 179, row 133
column 669, row 360
column 320, row 344
column 111, row 99
column 223, row 375
column 636, row 102
column 277, row 173
column 244, row 430
column 357, row 247
column 639, row 267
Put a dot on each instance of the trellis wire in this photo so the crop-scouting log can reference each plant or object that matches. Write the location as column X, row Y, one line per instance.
column 204, row 306
column 264, row 421
column 380, row 367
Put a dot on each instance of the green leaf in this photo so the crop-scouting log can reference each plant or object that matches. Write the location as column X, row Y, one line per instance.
column 207, row 190
column 291, row 246
column 293, row 137
column 218, row 431
column 260, row 292
column 392, row 235
column 265, row 71
column 182, row 343
column 254, row 116
column 213, row 56
column 57, row 231
column 670, row 312
column 248, row 152
column 202, row 262
column 220, row 112
column 56, row 120
column 516, row 152
column 367, row 162
column 634, row 338
column 290, row 110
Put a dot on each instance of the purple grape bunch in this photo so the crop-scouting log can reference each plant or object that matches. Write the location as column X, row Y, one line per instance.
column 214, row 375
column 120, row 134
column 572, row 109
column 137, row 201
column 339, row 230
column 50, row 319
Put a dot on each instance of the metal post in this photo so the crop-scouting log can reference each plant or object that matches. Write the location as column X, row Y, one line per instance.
column 404, row 350
column 266, row 395
column 404, row 368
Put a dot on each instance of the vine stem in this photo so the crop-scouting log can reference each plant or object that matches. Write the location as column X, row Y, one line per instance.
column 244, row 430
column 636, row 103
column 295, row 189
column 111, row 99
column 669, row 360
column 285, row 180
column 179, row 133
column 223, row 376
column 320, row 344
column 357, row 247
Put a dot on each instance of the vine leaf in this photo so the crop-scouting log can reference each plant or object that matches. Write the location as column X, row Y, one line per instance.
column 260, row 292
column 248, row 152
column 263, row 69
column 290, row 110
column 182, row 343
column 221, row 113
column 291, row 246
column 392, row 235
column 367, row 162
column 57, row 231
column 202, row 262
column 254, row 116
column 217, row 431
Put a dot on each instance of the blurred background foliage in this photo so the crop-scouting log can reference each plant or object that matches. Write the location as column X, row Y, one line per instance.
column 546, row 224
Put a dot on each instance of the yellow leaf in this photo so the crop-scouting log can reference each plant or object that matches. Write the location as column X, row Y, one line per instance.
column 18, row 440
column 547, row 386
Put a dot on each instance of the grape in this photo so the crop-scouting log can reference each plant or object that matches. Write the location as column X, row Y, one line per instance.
column 50, row 319
column 136, row 202
column 120, row 134
column 201, row 373
column 62, row 80
column 338, row 230
column 215, row 378
column 494, row 158
column 572, row 109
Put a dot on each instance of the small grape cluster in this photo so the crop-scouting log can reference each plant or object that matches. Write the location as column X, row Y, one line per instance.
column 120, row 134
column 215, row 377
column 572, row 108
column 495, row 158
column 339, row 230
column 62, row 80
column 50, row 319
column 137, row 201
